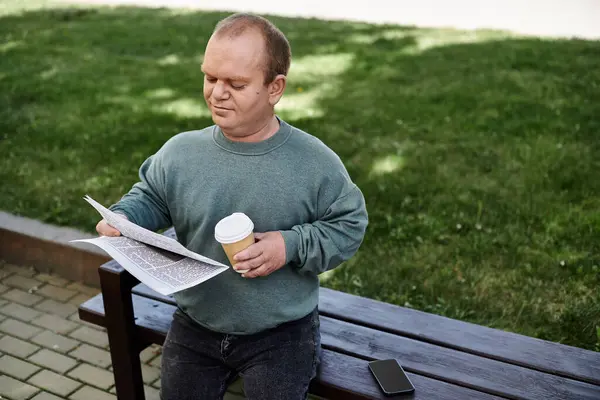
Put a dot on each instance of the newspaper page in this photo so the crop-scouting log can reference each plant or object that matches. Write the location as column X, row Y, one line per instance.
column 163, row 271
column 162, row 263
column 131, row 230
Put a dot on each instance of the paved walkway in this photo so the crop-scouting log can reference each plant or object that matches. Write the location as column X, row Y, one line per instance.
column 47, row 353
column 561, row 18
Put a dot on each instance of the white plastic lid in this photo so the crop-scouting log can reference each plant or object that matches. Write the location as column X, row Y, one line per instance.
column 233, row 228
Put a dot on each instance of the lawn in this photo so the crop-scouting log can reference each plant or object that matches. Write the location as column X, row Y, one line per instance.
column 477, row 152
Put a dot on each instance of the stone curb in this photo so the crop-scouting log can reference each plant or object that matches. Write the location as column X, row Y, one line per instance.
column 46, row 247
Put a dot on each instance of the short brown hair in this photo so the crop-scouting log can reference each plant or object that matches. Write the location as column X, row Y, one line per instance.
column 279, row 53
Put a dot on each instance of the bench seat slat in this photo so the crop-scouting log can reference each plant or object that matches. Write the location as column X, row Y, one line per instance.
column 460, row 368
column 509, row 347
column 499, row 345
column 346, row 371
column 337, row 373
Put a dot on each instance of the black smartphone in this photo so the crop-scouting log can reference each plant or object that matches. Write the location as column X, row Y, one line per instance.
column 391, row 377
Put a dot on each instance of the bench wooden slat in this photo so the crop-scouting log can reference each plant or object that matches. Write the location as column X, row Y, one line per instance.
column 347, row 371
column 491, row 343
column 441, row 363
column 468, row 358
column 464, row 369
column 509, row 347
column 337, row 373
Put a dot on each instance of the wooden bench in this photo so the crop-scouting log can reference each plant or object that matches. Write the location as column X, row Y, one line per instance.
column 444, row 358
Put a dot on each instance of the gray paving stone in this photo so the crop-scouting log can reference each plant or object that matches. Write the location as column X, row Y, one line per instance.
column 17, row 347
column 16, row 390
column 55, row 342
column 52, row 382
column 64, row 310
column 53, row 360
column 151, row 393
column 156, row 362
column 156, row 383
column 75, row 318
column 52, row 279
column 21, row 282
column 3, row 288
column 92, row 336
column 88, row 290
column 79, row 299
column 23, row 271
column 46, row 396
column 20, row 312
column 148, row 354
column 94, row 376
column 149, row 374
column 92, row 355
column 2, row 317
column 4, row 273
column 16, row 368
column 18, row 329
column 21, row 297
column 55, row 323
column 56, row 293
column 90, row 393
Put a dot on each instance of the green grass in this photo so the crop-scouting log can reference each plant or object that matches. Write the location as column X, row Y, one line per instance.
column 477, row 152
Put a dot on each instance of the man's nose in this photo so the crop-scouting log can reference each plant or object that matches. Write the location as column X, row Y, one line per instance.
column 220, row 91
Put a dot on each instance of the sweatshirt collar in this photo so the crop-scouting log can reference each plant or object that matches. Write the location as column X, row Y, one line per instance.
column 253, row 148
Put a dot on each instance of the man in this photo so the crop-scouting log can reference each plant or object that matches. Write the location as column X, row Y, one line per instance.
column 308, row 215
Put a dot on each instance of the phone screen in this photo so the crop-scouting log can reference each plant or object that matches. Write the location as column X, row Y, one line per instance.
column 391, row 377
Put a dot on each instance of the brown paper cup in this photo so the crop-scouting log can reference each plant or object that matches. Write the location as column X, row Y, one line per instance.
column 231, row 249
column 235, row 233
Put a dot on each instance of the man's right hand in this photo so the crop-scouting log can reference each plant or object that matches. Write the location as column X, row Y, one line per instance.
column 104, row 229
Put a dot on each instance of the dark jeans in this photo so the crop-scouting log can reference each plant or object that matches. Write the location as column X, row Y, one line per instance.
column 199, row 364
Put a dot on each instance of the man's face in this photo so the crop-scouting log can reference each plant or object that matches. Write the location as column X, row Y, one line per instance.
column 234, row 87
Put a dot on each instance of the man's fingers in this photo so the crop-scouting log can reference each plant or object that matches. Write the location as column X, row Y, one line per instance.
column 263, row 270
column 263, row 257
column 250, row 264
column 251, row 252
column 110, row 231
column 104, row 229
column 113, row 232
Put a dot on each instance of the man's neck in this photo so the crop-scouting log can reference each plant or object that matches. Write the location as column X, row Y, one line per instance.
column 266, row 130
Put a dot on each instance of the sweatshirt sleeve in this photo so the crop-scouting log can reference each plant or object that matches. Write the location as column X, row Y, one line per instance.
column 332, row 239
column 145, row 204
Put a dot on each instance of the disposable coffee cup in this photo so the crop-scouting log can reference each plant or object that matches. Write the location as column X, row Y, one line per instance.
column 235, row 233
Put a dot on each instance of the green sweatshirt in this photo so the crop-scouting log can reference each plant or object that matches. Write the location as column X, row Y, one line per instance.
column 291, row 182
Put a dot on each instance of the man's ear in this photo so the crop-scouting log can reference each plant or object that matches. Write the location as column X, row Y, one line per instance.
column 276, row 89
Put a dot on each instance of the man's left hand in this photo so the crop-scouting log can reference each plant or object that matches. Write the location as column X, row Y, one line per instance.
column 262, row 258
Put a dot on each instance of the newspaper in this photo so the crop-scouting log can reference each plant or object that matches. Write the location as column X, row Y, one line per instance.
column 162, row 263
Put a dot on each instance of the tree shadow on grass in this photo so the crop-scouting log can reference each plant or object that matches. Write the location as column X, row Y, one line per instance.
column 130, row 60
column 88, row 92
